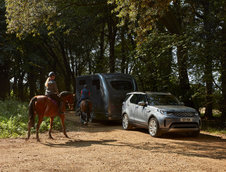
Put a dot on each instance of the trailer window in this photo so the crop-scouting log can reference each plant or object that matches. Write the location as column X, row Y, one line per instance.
column 122, row 85
column 96, row 83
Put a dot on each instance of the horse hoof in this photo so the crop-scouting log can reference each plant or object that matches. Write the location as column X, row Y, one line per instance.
column 50, row 137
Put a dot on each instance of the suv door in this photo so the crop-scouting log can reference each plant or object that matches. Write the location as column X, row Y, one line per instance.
column 133, row 106
column 140, row 116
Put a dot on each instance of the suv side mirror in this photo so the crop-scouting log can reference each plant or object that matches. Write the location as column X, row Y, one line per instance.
column 142, row 103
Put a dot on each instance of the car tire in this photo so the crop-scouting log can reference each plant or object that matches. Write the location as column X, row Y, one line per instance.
column 153, row 127
column 125, row 122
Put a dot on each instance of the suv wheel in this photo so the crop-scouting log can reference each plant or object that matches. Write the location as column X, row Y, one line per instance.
column 125, row 122
column 153, row 127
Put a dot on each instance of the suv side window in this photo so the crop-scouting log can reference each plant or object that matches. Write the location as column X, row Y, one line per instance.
column 142, row 98
column 134, row 99
column 127, row 96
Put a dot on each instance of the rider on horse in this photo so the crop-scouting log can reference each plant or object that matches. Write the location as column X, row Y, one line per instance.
column 84, row 96
column 52, row 90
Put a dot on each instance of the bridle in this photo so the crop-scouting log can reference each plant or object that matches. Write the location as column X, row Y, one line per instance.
column 70, row 105
column 69, row 102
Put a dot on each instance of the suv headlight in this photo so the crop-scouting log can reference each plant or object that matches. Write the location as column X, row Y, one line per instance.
column 162, row 112
column 196, row 114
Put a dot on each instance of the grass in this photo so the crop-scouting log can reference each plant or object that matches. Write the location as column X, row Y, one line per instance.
column 215, row 130
column 14, row 119
column 214, row 126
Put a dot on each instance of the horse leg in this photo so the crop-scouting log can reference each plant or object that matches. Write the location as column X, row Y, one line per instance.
column 63, row 125
column 51, row 125
column 87, row 111
column 88, row 116
column 40, row 118
column 29, row 131
column 30, row 125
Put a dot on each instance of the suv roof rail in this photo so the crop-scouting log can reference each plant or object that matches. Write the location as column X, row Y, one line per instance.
column 162, row 93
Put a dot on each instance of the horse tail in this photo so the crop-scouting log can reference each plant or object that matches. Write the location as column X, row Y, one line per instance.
column 31, row 112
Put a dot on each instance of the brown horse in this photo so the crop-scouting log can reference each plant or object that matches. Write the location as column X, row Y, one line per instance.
column 44, row 106
column 86, row 109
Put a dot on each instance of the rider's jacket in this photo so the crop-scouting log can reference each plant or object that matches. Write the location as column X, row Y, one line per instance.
column 85, row 93
column 51, row 88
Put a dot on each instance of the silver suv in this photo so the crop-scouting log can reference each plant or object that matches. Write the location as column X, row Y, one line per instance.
column 160, row 113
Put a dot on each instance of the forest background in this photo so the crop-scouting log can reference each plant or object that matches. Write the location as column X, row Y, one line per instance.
column 171, row 46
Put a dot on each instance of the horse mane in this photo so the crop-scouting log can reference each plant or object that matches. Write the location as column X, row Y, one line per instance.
column 64, row 93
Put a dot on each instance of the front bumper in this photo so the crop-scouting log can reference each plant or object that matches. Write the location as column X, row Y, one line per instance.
column 180, row 124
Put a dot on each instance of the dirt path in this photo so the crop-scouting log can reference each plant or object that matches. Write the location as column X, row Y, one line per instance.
column 106, row 147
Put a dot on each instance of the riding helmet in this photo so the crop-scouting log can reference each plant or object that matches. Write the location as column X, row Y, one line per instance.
column 51, row 74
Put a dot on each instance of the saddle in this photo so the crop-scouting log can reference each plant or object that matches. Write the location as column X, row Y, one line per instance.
column 53, row 100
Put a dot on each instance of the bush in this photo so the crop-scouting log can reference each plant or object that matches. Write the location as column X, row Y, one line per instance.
column 14, row 119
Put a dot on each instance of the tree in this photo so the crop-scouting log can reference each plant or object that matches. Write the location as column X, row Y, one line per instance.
column 5, row 53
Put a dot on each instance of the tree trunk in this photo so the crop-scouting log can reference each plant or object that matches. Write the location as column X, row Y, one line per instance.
column 100, row 58
column 15, row 85
column 123, row 62
column 5, row 84
column 111, row 37
column 223, row 69
column 21, row 95
column 223, row 77
column 41, row 82
column 185, row 90
column 208, row 76
column 31, row 82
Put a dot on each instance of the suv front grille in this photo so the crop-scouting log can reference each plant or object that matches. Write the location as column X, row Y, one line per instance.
column 183, row 114
column 184, row 125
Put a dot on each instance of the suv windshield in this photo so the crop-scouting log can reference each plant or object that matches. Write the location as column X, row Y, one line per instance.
column 156, row 99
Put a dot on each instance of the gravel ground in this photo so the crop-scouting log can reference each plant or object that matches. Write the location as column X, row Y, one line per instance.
column 106, row 147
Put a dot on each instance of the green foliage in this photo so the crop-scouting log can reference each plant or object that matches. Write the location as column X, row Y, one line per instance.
column 141, row 15
column 25, row 16
column 154, row 63
column 215, row 130
column 14, row 119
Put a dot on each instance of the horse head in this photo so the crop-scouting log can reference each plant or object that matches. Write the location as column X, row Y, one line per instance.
column 68, row 98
